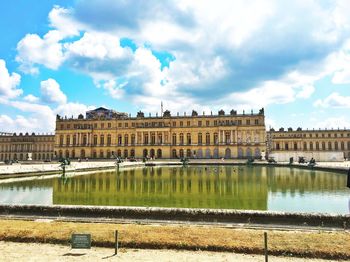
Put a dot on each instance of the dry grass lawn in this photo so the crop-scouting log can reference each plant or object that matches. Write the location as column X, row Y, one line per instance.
column 290, row 243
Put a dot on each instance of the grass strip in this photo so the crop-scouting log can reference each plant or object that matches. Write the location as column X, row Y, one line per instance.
column 327, row 245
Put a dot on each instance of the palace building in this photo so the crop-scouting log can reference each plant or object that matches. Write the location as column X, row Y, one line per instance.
column 26, row 146
column 321, row 144
column 105, row 133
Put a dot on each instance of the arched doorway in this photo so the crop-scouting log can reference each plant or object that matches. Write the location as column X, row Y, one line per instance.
column 240, row 152
column 174, row 153
column 159, row 153
column 145, row 153
column 94, row 154
column 228, row 153
column 125, row 153
column 152, row 153
column 67, row 154
column 119, row 153
column 199, row 153
column 108, row 154
column 82, row 153
column 216, row 153
column 181, row 153
column 132, row 153
column 249, row 152
column 188, row 153
column 257, row 153
column 207, row 153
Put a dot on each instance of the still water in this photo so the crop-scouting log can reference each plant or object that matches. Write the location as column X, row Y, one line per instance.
column 231, row 187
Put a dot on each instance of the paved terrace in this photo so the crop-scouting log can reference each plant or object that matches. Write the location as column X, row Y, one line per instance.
column 54, row 167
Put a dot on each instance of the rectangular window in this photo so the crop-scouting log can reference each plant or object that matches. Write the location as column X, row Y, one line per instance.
column 119, row 124
column 239, row 122
column 256, row 121
column 126, row 124
column 248, row 121
column 188, row 123
column 174, row 123
column 199, row 123
column 102, row 125
column 181, row 123
column 207, row 123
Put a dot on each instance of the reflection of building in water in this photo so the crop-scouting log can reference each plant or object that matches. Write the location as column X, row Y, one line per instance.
column 26, row 146
column 207, row 187
column 224, row 187
column 105, row 133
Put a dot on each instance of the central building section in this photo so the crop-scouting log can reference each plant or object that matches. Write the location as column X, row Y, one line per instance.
column 105, row 133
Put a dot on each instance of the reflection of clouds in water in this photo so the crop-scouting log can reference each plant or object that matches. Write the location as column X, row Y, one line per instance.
column 26, row 196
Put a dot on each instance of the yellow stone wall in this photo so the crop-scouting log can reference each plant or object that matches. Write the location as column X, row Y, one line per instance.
column 20, row 146
column 236, row 136
column 325, row 140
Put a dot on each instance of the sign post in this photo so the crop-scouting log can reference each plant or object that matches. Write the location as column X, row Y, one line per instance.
column 265, row 248
column 116, row 243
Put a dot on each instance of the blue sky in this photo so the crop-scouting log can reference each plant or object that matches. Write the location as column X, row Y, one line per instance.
column 66, row 57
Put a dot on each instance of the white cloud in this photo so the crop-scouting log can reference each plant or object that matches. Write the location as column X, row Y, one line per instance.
column 331, row 122
column 62, row 20
column 51, row 92
column 9, row 83
column 34, row 50
column 334, row 100
column 72, row 109
column 306, row 91
column 225, row 51
column 31, row 98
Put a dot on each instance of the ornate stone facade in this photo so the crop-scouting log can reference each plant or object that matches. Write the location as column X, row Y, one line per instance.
column 104, row 135
column 26, row 146
column 322, row 140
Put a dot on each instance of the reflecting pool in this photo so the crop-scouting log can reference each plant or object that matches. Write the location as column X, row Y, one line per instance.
column 231, row 187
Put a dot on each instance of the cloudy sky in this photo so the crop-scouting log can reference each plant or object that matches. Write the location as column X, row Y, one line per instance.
column 65, row 57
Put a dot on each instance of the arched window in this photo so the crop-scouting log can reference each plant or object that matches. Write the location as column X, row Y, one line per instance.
column 329, row 145
column 153, row 138
column 95, row 140
column 189, row 140
column 216, row 138
column 145, row 153
column 336, row 145
column 126, row 139
column 181, row 153
column 159, row 153
column 199, row 138
column 102, row 140
column 174, row 139
column 109, row 139
column 181, row 138
column 207, row 138
column 174, row 153
column 133, row 139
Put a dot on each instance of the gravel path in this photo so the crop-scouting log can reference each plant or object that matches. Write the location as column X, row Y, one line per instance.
column 10, row 251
